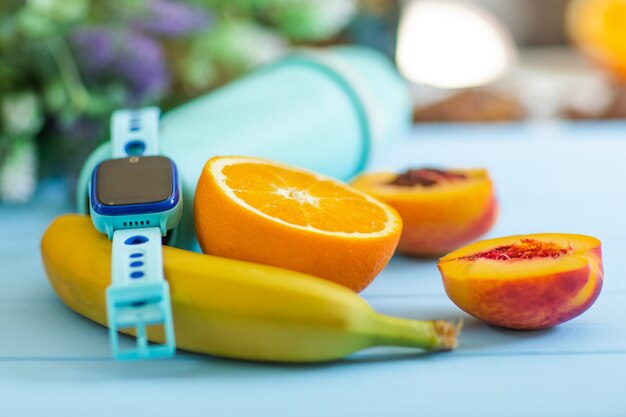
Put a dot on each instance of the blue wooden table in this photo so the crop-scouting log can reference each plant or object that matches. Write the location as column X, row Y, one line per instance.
column 560, row 178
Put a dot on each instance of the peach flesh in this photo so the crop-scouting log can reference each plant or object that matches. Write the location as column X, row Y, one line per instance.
column 526, row 249
column 441, row 209
column 510, row 298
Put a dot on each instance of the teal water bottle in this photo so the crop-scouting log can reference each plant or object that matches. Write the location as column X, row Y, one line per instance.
column 326, row 110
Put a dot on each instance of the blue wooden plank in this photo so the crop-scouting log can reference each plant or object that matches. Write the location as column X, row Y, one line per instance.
column 433, row 386
column 557, row 178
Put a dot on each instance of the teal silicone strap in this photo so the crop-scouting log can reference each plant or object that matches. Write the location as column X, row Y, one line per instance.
column 135, row 132
column 139, row 296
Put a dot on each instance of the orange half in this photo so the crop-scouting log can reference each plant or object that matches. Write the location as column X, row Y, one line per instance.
column 263, row 211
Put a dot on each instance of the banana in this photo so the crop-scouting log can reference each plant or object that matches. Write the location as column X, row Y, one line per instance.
column 236, row 309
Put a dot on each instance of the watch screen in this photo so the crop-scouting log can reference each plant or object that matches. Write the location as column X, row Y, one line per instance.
column 134, row 180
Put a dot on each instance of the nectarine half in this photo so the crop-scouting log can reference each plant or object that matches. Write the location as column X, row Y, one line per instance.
column 525, row 282
column 441, row 210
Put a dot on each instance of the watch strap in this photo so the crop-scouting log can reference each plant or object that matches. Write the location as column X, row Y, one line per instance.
column 138, row 296
column 135, row 132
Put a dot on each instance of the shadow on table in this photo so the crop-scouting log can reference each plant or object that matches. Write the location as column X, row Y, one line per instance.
column 62, row 346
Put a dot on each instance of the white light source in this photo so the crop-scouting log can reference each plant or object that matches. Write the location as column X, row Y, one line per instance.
column 452, row 44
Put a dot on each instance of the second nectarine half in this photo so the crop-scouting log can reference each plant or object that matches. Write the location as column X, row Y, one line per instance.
column 525, row 282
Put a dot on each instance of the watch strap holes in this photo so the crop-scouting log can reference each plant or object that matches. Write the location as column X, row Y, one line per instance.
column 135, row 148
column 136, row 240
column 134, row 124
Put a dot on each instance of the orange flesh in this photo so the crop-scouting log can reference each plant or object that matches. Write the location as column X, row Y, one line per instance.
column 261, row 211
column 526, row 249
column 303, row 200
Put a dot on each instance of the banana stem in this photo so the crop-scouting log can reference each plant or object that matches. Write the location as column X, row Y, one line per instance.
column 429, row 335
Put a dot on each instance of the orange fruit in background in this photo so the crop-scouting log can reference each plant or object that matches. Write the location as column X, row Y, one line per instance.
column 598, row 28
column 261, row 211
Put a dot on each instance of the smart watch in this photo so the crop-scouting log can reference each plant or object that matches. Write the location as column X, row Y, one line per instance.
column 135, row 199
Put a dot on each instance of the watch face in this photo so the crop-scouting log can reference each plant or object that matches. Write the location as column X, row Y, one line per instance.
column 134, row 180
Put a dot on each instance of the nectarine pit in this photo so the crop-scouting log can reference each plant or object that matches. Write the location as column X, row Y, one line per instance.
column 526, row 249
column 426, row 177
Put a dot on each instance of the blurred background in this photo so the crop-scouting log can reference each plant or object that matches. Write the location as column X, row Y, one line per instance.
column 65, row 65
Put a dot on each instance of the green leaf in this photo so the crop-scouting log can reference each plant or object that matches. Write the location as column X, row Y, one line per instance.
column 227, row 51
column 8, row 7
column 108, row 11
column 9, row 76
column 62, row 11
column 306, row 20
column 34, row 25
column 99, row 105
column 55, row 96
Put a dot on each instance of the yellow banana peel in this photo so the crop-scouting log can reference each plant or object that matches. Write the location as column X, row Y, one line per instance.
column 236, row 309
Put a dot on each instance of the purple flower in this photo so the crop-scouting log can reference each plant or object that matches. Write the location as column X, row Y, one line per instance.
column 128, row 55
column 131, row 54
column 96, row 47
column 141, row 62
column 172, row 18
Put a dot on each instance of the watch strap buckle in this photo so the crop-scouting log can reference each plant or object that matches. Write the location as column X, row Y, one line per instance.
column 139, row 308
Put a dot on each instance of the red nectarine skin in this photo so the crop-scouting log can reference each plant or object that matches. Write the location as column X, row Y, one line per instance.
column 531, row 302
column 440, row 238
column 440, row 209
column 525, row 282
